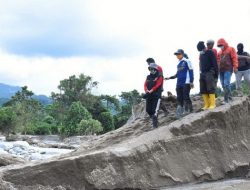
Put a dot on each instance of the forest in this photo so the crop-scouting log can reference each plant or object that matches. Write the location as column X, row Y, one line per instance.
column 75, row 110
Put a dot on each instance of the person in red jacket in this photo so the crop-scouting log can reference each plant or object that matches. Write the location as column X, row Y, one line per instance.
column 153, row 91
column 228, row 63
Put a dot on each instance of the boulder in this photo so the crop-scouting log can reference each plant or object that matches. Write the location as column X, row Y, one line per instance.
column 204, row 146
column 8, row 159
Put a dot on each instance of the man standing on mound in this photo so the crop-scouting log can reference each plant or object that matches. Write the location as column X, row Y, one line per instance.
column 185, row 78
column 228, row 63
column 208, row 75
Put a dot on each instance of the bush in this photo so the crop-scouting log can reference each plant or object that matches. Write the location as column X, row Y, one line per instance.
column 39, row 128
column 42, row 128
column 29, row 129
column 107, row 121
column 76, row 113
column 89, row 127
column 7, row 120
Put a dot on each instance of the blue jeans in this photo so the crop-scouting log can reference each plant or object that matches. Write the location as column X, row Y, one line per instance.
column 225, row 79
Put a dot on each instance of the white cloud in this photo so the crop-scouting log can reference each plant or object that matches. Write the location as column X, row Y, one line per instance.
column 110, row 40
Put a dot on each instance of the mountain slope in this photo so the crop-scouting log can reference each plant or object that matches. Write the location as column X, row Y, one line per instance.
column 7, row 91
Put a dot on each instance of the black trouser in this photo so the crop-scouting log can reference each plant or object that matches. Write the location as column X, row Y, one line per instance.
column 183, row 94
column 208, row 83
column 152, row 105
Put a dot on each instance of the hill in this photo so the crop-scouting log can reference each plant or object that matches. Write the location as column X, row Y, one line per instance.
column 7, row 91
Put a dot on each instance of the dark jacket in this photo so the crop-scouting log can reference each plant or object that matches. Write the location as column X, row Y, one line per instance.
column 244, row 63
column 208, row 63
column 155, row 82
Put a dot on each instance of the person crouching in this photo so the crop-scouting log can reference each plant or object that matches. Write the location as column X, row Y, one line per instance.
column 153, row 90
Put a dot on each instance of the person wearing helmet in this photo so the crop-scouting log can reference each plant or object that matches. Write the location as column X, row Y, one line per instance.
column 185, row 78
column 208, row 75
column 159, row 68
column 228, row 63
column 153, row 91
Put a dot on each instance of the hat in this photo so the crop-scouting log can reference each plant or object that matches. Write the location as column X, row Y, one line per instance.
column 178, row 52
column 201, row 46
column 210, row 41
column 153, row 65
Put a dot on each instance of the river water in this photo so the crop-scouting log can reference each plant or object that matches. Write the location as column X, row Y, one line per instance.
column 29, row 152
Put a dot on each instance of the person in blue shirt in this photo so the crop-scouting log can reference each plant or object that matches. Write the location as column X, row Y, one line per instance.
column 185, row 78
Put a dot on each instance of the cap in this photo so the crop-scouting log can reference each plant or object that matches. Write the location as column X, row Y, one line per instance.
column 179, row 51
column 153, row 65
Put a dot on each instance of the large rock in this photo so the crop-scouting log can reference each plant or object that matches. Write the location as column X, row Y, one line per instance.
column 203, row 146
column 8, row 159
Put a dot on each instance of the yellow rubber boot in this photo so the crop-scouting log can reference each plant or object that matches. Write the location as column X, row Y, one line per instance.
column 212, row 101
column 206, row 101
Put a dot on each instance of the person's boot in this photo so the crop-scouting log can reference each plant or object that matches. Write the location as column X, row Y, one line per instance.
column 186, row 108
column 226, row 95
column 190, row 105
column 206, row 101
column 212, row 101
column 230, row 97
column 179, row 111
column 155, row 121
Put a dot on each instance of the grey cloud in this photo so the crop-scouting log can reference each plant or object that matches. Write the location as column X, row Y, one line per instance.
column 57, row 28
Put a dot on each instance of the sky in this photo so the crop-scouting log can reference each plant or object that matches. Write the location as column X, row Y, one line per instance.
column 45, row 41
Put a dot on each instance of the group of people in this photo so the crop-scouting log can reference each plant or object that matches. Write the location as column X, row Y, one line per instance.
column 212, row 65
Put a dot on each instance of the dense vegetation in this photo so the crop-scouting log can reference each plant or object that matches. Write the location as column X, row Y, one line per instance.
column 74, row 111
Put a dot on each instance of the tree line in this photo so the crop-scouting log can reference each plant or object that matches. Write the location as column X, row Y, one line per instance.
column 75, row 110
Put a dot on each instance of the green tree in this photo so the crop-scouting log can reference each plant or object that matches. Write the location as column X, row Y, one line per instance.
column 76, row 113
column 131, row 98
column 111, row 102
column 27, row 109
column 128, row 100
column 74, row 89
column 57, row 111
column 7, row 120
column 107, row 121
column 89, row 127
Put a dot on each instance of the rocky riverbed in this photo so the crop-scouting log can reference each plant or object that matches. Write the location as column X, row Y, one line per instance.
column 32, row 148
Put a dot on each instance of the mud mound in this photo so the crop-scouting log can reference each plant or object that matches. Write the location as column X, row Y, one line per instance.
column 202, row 146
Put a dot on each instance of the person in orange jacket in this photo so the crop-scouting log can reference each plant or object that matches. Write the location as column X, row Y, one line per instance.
column 228, row 63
